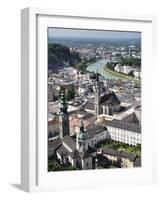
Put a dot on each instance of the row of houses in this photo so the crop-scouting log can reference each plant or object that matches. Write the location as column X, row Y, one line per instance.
column 121, row 131
column 122, row 159
column 126, row 70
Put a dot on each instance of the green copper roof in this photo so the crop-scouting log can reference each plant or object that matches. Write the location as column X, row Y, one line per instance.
column 82, row 135
column 63, row 106
column 62, row 96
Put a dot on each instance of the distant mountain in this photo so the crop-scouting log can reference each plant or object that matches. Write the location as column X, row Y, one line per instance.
column 60, row 56
column 117, row 42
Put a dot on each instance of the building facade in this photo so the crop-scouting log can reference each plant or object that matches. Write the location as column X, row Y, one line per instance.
column 124, row 132
column 76, row 152
column 121, row 159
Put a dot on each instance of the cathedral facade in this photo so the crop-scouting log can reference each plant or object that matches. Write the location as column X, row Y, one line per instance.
column 107, row 103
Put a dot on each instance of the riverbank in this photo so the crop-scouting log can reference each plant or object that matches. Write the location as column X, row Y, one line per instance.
column 122, row 75
column 82, row 66
column 98, row 67
column 117, row 74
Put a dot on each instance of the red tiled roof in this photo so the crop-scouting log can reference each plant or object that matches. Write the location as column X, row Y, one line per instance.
column 53, row 122
column 76, row 121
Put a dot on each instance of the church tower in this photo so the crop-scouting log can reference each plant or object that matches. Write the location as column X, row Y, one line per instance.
column 63, row 116
column 81, row 140
column 97, row 95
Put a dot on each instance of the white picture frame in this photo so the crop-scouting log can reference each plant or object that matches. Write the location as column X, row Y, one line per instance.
column 34, row 176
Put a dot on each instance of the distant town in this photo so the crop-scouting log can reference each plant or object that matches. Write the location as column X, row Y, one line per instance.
column 94, row 103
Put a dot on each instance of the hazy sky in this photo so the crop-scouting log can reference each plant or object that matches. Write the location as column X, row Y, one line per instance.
column 61, row 32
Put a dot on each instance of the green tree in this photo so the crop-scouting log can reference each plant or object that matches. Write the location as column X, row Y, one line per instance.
column 82, row 66
column 58, row 54
column 131, row 61
column 70, row 167
column 131, row 73
column 54, row 166
column 110, row 66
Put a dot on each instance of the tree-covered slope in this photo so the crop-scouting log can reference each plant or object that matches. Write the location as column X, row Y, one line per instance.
column 60, row 56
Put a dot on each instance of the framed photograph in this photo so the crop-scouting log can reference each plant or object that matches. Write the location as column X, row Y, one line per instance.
column 86, row 99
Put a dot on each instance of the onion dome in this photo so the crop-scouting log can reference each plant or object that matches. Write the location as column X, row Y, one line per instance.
column 82, row 135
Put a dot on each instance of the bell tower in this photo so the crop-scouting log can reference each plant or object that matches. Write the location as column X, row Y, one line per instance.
column 81, row 140
column 97, row 95
column 63, row 116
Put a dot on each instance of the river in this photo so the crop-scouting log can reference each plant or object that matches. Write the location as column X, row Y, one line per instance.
column 99, row 65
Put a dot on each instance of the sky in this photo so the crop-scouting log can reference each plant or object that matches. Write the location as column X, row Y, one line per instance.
column 61, row 32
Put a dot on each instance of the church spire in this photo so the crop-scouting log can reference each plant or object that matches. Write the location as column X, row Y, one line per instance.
column 97, row 76
column 82, row 139
column 81, row 126
column 63, row 116
column 97, row 94
column 63, row 105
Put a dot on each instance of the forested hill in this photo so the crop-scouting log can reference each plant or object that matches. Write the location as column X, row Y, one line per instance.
column 60, row 56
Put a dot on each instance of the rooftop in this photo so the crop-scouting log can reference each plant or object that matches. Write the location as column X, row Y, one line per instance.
column 69, row 141
column 109, row 151
column 124, row 125
column 54, row 143
column 137, row 162
column 63, row 151
column 109, row 98
column 54, row 121
column 96, row 129
column 113, row 152
column 130, row 156
column 89, row 106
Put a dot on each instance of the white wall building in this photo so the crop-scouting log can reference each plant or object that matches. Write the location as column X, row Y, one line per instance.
column 97, row 134
column 123, row 69
column 124, row 132
column 82, row 89
column 137, row 74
